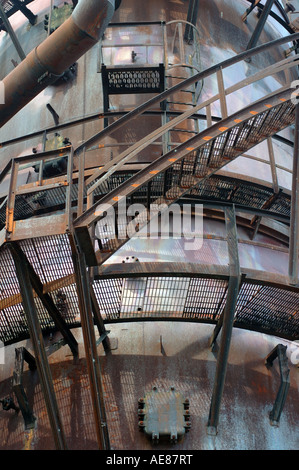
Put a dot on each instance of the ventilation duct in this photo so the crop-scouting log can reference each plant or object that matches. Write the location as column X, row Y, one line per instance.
column 48, row 61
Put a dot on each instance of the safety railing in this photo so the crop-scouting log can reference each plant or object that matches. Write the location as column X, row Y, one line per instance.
column 45, row 164
column 149, row 291
column 102, row 174
column 177, row 172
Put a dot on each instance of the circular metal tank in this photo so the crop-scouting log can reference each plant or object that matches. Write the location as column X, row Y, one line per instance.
column 170, row 353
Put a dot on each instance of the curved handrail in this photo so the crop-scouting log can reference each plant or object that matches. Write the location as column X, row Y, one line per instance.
column 113, row 165
column 282, row 21
column 185, row 83
column 187, row 23
column 161, row 97
column 257, row 288
column 168, row 159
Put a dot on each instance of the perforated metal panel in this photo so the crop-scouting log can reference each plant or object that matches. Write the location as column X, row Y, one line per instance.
column 127, row 79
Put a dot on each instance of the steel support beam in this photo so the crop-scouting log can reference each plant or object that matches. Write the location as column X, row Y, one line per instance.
column 91, row 355
column 260, row 25
column 99, row 320
column 22, row 354
column 85, row 245
column 273, row 165
column 256, row 221
column 42, row 363
column 227, row 320
column 294, row 222
column 279, row 352
column 249, row 10
column 47, row 301
column 11, row 33
column 26, row 12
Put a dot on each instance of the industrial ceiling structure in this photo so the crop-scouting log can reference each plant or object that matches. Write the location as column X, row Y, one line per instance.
column 149, row 225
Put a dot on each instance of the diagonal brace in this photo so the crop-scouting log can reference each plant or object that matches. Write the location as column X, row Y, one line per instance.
column 22, row 354
column 227, row 320
column 92, row 359
column 26, row 12
column 46, row 300
column 11, row 33
column 99, row 320
column 43, row 367
column 260, row 25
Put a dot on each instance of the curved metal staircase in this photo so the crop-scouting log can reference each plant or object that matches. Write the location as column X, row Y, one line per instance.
column 83, row 196
column 54, row 279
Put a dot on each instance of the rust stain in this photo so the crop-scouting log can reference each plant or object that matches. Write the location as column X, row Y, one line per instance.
column 29, row 435
column 261, row 389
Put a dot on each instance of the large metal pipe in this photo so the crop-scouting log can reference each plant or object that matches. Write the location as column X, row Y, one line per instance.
column 57, row 53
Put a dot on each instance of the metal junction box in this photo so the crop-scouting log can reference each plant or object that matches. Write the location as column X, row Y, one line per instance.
column 164, row 415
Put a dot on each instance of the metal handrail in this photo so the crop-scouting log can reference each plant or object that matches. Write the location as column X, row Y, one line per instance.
column 177, row 153
column 14, row 191
column 161, row 97
column 117, row 162
column 185, row 83
column 157, row 99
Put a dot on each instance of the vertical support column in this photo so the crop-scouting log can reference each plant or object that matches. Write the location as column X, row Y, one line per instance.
column 209, row 115
column 228, row 320
column 273, row 165
column 81, row 183
column 92, row 359
column 68, row 195
column 12, row 34
column 222, row 95
column 39, row 351
column 294, row 222
column 11, row 198
column 280, row 352
column 105, row 85
column 260, row 25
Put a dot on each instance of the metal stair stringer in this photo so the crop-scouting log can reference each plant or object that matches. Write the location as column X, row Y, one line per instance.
column 186, row 166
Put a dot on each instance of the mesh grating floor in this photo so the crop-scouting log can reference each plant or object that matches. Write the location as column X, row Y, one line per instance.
column 264, row 307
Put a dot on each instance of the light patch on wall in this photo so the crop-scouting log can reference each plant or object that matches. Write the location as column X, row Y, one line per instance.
column 2, row 93
column 2, row 353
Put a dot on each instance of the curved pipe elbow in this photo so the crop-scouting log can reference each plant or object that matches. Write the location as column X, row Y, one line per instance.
column 55, row 55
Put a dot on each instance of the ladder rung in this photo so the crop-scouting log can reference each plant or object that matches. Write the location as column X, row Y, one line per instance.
column 176, row 102
column 181, row 78
column 175, row 129
column 188, row 91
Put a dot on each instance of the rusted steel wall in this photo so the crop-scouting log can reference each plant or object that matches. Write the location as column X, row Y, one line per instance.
column 162, row 355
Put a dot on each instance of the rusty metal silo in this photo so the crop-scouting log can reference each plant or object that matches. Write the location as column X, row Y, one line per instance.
column 149, row 225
